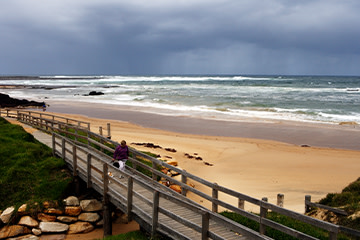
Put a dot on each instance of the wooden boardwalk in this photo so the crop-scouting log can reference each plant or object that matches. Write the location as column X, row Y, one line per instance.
column 156, row 208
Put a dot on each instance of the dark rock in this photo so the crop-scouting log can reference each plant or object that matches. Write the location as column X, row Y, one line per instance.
column 170, row 150
column 7, row 101
column 94, row 93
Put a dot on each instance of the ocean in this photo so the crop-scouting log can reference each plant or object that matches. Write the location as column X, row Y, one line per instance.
column 321, row 99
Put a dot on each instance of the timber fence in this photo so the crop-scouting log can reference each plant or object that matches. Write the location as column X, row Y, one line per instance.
column 93, row 164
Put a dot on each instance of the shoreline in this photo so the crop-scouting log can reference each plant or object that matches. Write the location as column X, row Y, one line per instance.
column 256, row 167
column 321, row 135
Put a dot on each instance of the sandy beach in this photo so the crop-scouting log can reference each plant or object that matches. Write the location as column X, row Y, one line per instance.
column 260, row 163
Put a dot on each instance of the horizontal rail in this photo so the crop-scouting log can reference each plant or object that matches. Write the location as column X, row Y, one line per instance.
column 100, row 144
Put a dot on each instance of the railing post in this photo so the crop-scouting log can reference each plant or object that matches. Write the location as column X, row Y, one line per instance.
column 74, row 160
column 241, row 204
column 129, row 198
column 108, row 130
column 154, row 176
column 307, row 200
column 280, row 200
column 205, row 225
column 101, row 141
column 263, row 213
column 155, row 213
column 184, row 181
column 89, row 170
column 53, row 144
column 215, row 195
column 333, row 235
column 107, row 213
column 63, row 148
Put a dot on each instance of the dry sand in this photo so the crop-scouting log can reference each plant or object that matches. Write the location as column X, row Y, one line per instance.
column 252, row 166
column 255, row 167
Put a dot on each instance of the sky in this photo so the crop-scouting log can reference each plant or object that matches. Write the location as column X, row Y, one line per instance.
column 141, row 37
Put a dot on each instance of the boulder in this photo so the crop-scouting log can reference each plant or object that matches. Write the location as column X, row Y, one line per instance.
column 89, row 217
column 91, row 205
column 53, row 227
column 80, row 227
column 36, row 231
column 67, row 219
column 7, row 214
column 13, row 230
column 172, row 162
column 176, row 188
column 94, row 93
column 28, row 221
column 72, row 201
column 53, row 211
column 22, row 209
column 26, row 237
column 46, row 218
column 72, row 210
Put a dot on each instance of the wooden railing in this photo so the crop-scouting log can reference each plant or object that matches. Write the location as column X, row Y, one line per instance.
column 94, row 168
column 102, row 144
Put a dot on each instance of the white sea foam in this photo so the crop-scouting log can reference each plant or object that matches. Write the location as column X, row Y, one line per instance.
column 220, row 97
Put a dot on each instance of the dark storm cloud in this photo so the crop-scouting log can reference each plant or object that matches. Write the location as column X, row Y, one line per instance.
column 159, row 37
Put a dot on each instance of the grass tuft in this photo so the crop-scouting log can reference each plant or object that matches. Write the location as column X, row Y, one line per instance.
column 29, row 172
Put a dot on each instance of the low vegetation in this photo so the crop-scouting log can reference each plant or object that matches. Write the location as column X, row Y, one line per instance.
column 348, row 199
column 28, row 169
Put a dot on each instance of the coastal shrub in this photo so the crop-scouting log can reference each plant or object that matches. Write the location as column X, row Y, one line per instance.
column 349, row 198
column 28, row 169
column 353, row 187
column 284, row 220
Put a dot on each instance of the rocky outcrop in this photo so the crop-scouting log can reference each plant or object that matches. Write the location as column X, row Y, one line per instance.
column 7, row 101
column 94, row 93
column 76, row 217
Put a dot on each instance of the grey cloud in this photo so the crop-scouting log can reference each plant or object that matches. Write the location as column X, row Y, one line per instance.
column 157, row 37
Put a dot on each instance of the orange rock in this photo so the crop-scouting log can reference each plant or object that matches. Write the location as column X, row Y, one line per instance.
column 53, row 211
column 73, row 210
column 176, row 188
column 173, row 163
column 46, row 218
column 14, row 230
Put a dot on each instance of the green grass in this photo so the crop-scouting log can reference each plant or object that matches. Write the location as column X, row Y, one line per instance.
column 289, row 222
column 28, row 171
column 349, row 200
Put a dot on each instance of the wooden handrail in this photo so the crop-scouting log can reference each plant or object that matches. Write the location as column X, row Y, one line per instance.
column 215, row 189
